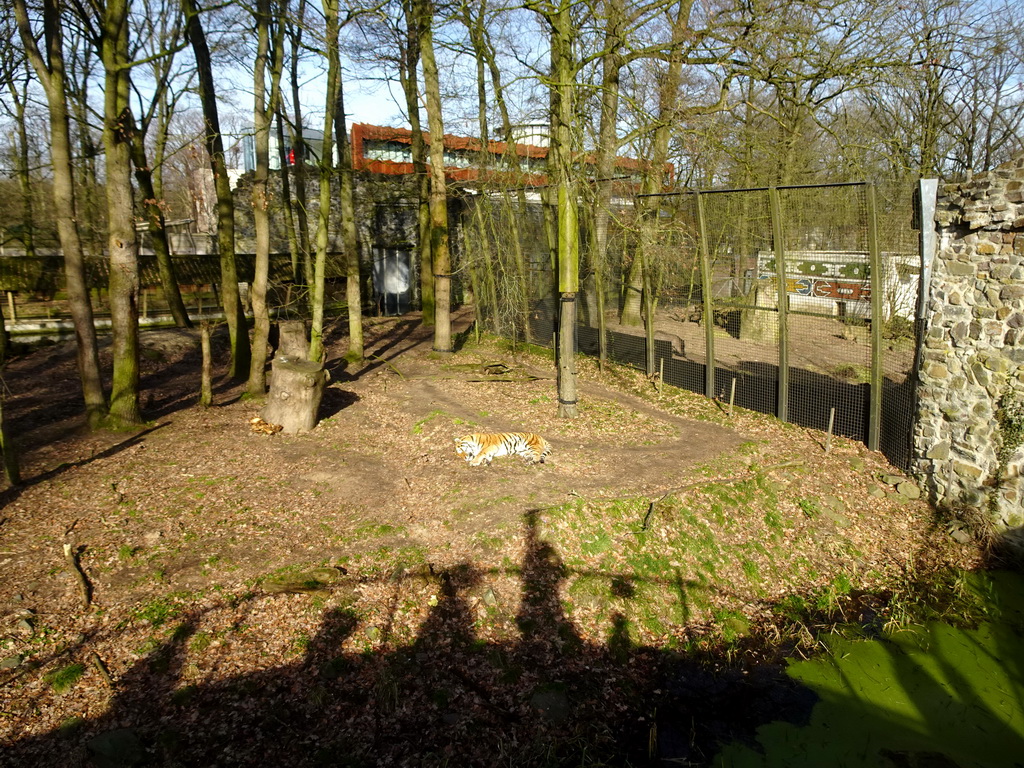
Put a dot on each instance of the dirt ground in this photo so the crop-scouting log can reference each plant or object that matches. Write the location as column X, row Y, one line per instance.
column 358, row 595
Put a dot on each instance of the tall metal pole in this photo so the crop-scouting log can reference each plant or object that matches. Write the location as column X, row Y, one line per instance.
column 709, row 309
column 877, row 323
column 779, row 249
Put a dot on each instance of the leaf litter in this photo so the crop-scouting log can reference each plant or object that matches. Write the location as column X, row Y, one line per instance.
column 360, row 596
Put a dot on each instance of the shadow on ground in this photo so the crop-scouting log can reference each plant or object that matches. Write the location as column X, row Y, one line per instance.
column 549, row 698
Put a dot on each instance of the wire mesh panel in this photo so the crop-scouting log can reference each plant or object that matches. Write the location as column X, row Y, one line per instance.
column 744, row 298
column 819, row 330
column 604, row 270
column 899, row 236
column 828, row 290
column 677, row 286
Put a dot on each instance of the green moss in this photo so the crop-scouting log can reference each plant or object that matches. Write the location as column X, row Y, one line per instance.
column 64, row 679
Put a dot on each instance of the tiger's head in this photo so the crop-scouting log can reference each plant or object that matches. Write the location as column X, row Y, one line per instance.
column 465, row 447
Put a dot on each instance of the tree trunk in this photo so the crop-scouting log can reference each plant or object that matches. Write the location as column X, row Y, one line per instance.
column 299, row 149
column 562, row 145
column 316, row 333
column 521, row 291
column 158, row 233
column 122, row 245
column 51, row 74
column 21, row 167
column 287, row 206
column 654, row 181
column 349, row 237
column 438, row 188
column 606, row 153
column 408, row 69
column 267, row 52
column 238, row 331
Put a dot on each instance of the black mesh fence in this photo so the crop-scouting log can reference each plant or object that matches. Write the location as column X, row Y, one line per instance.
column 821, row 333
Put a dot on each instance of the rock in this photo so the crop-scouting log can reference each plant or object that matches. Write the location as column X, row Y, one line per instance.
column 372, row 633
column 857, row 464
column 960, row 536
column 24, row 625
column 876, row 492
column 120, row 748
column 489, row 597
column 833, row 502
column 841, row 520
column 891, row 479
column 11, row 661
column 908, row 489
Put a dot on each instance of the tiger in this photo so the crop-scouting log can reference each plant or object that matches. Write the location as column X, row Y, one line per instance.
column 481, row 447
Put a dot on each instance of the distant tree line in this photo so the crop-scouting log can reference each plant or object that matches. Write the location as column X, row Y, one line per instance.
column 116, row 110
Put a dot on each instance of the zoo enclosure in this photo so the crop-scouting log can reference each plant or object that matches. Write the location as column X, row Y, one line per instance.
column 822, row 329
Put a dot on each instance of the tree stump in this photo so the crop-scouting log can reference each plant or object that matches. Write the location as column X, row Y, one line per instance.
column 296, row 387
column 292, row 340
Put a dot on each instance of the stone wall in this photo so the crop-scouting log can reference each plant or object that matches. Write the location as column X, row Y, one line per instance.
column 971, row 396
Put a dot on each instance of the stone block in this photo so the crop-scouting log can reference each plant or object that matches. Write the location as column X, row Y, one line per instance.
column 959, row 268
column 1011, row 292
column 997, row 364
column 964, row 470
column 1003, row 271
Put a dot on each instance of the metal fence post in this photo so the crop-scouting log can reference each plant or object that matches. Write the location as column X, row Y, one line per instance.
column 706, row 298
column 877, row 323
column 779, row 249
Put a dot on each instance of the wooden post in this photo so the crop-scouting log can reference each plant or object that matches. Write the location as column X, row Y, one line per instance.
column 12, row 467
column 296, row 387
column 206, row 391
column 10, row 306
column 831, row 424
column 732, row 394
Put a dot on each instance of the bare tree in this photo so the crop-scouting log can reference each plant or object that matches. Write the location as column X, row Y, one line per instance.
column 51, row 73
column 269, row 63
column 440, row 256
column 230, row 296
